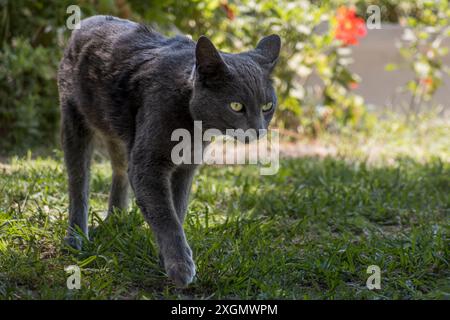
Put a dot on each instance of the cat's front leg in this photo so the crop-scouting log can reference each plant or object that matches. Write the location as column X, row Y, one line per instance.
column 181, row 182
column 151, row 184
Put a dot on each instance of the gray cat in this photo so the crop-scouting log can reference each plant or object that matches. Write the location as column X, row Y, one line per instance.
column 132, row 87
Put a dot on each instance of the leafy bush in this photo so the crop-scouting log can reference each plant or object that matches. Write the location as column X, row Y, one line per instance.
column 422, row 50
column 316, row 48
column 28, row 100
column 31, row 38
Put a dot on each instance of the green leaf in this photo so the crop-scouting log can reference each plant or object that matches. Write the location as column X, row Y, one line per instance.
column 391, row 67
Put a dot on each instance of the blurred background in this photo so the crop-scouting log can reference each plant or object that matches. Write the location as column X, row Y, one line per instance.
column 336, row 73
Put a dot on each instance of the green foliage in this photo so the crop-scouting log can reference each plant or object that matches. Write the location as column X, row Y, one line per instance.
column 423, row 51
column 28, row 100
column 35, row 29
column 36, row 21
column 31, row 36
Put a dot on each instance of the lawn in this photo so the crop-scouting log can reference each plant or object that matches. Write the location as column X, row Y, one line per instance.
column 309, row 232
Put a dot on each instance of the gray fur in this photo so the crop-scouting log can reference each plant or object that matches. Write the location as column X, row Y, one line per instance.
column 133, row 87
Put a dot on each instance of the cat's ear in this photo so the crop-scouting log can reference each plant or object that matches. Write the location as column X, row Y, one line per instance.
column 208, row 62
column 269, row 49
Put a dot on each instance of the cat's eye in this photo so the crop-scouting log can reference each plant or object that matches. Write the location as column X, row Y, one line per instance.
column 236, row 106
column 267, row 107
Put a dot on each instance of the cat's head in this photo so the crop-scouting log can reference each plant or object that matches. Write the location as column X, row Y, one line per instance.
column 234, row 91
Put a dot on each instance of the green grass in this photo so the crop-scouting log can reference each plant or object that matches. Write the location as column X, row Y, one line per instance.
column 308, row 232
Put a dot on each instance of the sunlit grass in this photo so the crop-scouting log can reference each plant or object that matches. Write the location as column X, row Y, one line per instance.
column 422, row 138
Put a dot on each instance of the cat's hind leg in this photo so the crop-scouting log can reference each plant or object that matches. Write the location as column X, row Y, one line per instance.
column 77, row 145
column 119, row 193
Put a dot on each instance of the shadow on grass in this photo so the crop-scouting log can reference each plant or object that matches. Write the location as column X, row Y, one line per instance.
column 308, row 232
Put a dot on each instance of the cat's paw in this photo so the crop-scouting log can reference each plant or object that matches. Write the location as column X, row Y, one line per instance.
column 181, row 272
column 176, row 255
column 74, row 241
column 180, row 268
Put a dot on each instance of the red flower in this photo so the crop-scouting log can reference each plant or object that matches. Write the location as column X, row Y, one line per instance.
column 228, row 10
column 427, row 82
column 353, row 85
column 349, row 27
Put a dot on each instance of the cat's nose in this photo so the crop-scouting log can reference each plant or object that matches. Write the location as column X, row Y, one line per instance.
column 261, row 132
column 260, row 129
